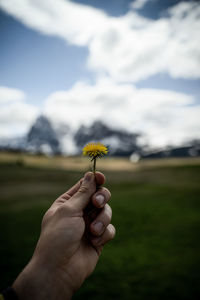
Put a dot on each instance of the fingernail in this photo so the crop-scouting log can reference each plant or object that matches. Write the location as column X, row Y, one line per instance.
column 88, row 176
column 100, row 199
column 98, row 226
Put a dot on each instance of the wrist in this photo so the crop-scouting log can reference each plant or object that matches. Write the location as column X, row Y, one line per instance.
column 37, row 282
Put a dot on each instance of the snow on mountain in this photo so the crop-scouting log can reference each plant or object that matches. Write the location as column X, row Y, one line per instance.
column 57, row 138
column 119, row 142
column 42, row 137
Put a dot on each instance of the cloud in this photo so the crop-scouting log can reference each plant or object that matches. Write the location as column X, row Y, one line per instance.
column 128, row 48
column 138, row 4
column 15, row 114
column 73, row 22
column 8, row 95
column 164, row 117
column 133, row 48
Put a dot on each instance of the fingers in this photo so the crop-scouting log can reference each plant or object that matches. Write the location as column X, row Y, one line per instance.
column 108, row 235
column 101, row 197
column 100, row 178
column 82, row 197
column 98, row 226
column 101, row 229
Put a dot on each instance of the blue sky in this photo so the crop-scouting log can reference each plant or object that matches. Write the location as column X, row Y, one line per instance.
column 27, row 57
column 133, row 64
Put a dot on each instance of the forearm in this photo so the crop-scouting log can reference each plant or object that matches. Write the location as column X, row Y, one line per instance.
column 38, row 283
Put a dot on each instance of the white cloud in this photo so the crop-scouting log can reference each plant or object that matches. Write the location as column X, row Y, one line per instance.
column 8, row 95
column 73, row 22
column 128, row 48
column 15, row 114
column 138, row 4
column 164, row 117
column 132, row 48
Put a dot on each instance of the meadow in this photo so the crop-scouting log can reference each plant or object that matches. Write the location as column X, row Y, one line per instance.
column 156, row 212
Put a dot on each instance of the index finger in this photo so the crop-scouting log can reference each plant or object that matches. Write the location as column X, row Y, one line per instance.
column 100, row 178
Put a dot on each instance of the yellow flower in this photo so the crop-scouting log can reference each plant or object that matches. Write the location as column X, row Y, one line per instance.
column 95, row 150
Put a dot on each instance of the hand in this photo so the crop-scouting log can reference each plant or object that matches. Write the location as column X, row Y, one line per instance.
column 73, row 233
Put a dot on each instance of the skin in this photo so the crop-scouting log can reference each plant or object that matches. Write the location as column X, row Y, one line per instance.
column 73, row 232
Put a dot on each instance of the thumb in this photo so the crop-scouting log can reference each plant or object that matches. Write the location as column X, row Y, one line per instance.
column 82, row 197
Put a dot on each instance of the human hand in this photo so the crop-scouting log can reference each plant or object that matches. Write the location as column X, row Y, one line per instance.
column 74, row 230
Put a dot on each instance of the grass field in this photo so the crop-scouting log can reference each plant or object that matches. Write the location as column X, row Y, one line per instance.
column 156, row 211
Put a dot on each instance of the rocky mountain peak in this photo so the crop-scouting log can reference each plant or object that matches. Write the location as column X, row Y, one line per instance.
column 42, row 137
column 119, row 141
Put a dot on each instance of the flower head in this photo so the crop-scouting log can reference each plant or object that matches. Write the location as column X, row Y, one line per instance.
column 95, row 150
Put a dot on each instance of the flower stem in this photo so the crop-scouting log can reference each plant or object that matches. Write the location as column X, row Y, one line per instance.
column 94, row 165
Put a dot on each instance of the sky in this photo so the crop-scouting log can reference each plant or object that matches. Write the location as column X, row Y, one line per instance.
column 131, row 64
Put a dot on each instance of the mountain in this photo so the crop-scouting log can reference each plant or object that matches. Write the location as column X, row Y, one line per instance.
column 13, row 144
column 119, row 142
column 190, row 150
column 42, row 138
column 57, row 138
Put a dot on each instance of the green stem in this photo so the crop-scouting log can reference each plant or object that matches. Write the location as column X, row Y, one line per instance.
column 94, row 166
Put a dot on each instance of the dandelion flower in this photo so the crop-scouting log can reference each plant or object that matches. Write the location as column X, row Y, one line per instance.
column 95, row 150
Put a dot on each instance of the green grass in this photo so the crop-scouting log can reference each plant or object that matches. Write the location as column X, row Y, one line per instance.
column 156, row 211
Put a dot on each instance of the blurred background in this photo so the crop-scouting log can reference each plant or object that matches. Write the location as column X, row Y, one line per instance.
column 126, row 73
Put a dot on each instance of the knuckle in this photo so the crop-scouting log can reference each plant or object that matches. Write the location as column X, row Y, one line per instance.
column 64, row 209
column 112, row 231
column 47, row 216
column 108, row 211
column 109, row 234
column 105, row 216
column 62, row 199
column 83, row 189
column 61, row 209
column 106, row 192
column 67, row 210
